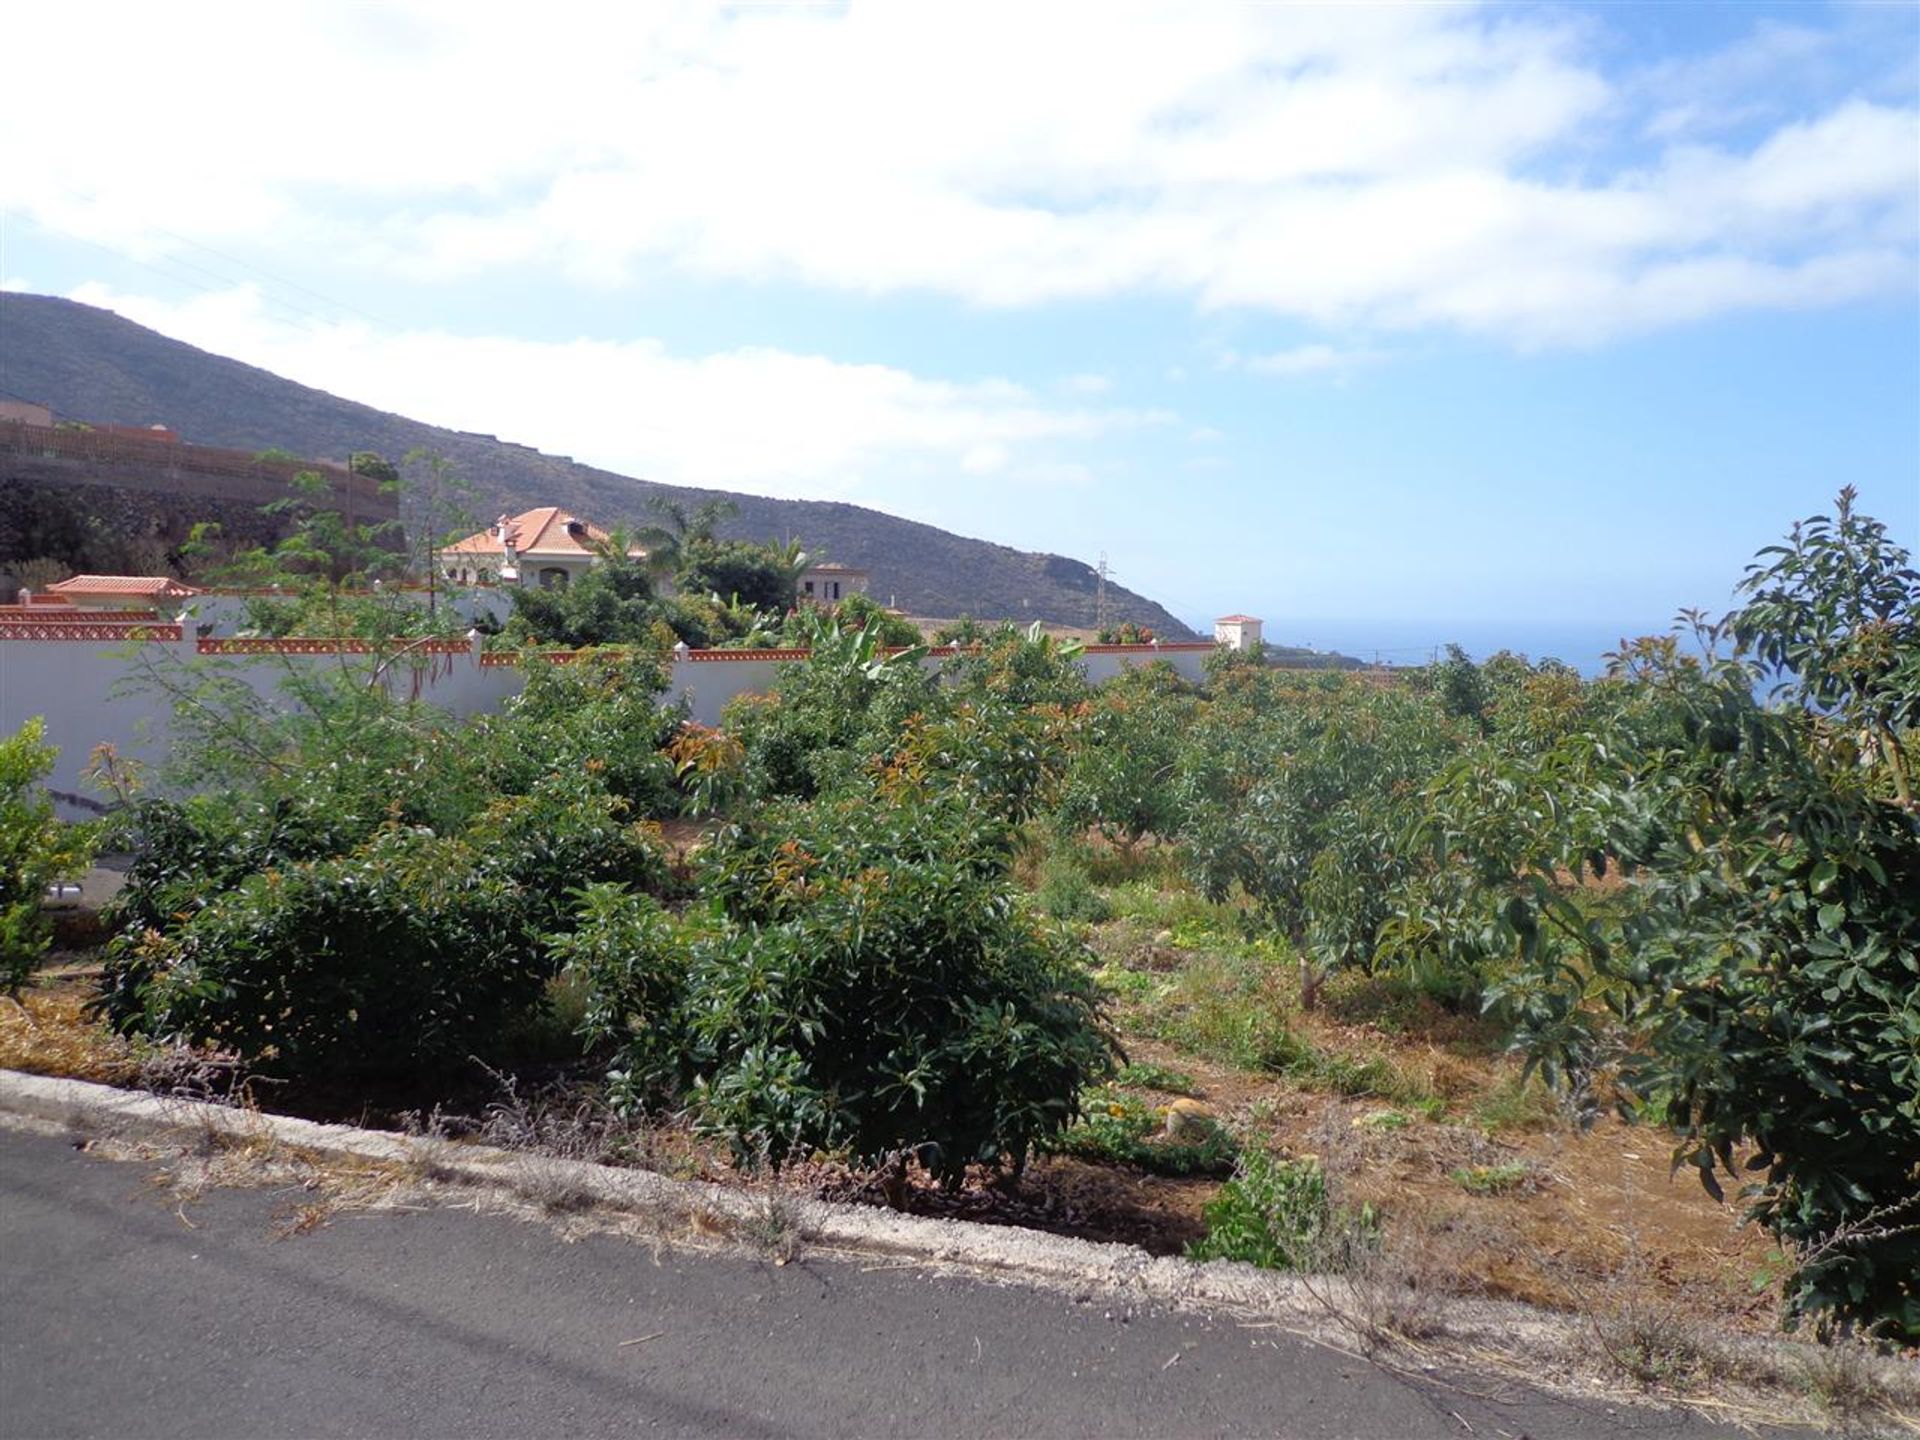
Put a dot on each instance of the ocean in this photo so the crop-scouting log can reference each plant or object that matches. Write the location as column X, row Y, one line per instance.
column 1581, row 644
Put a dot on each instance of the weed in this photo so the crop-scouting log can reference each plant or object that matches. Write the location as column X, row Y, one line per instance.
column 1276, row 1214
column 1065, row 892
column 1651, row 1344
column 774, row 1229
column 1518, row 1102
column 1492, row 1179
column 1357, row 1076
column 1141, row 1076
column 1122, row 1129
column 1382, row 1120
column 1840, row 1377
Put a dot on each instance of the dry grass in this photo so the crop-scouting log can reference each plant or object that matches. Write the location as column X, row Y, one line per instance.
column 47, row 1031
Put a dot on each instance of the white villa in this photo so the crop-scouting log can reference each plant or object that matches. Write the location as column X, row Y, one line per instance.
column 545, row 547
column 1236, row 632
column 826, row 583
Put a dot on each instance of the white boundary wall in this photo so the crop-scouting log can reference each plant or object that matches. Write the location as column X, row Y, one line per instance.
column 87, row 692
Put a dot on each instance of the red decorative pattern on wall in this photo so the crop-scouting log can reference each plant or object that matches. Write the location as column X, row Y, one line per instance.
column 709, row 655
column 75, row 630
column 301, row 645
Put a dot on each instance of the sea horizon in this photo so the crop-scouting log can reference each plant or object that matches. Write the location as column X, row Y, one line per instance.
column 1583, row 644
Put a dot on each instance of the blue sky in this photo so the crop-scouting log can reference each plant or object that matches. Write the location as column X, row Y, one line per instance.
column 1379, row 321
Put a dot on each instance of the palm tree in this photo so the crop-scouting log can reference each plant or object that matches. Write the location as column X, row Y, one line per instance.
column 667, row 545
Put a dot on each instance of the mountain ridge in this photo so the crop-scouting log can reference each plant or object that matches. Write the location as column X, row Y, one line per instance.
column 95, row 365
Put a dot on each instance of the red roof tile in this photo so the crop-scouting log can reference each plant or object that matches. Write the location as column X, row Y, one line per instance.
column 546, row 530
column 150, row 587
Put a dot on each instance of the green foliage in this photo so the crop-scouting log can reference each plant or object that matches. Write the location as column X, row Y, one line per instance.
column 407, row 952
column 599, row 716
column 863, row 981
column 1121, row 780
column 1760, row 975
column 613, row 603
column 1492, row 1179
column 833, row 717
column 1277, row 1214
column 863, row 612
column 1834, row 615
column 1143, row 1075
column 1122, row 1129
column 763, row 576
column 628, row 957
column 35, row 851
column 1019, row 669
column 1066, row 893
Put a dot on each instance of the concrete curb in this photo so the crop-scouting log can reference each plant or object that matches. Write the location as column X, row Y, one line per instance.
column 89, row 1108
column 1534, row 1344
column 1083, row 1268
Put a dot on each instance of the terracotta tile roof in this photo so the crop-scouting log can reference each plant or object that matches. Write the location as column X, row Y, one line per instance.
column 151, row 587
column 546, row 530
column 1238, row 620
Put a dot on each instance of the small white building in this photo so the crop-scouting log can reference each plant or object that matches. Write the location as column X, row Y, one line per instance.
column 546, row 547
column 1236, row 632
column 829, row 583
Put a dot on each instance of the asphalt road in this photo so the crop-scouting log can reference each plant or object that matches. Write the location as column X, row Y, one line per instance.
column 117, row 1319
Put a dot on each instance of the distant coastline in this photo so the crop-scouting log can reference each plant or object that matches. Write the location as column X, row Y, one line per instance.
column 1581, row 644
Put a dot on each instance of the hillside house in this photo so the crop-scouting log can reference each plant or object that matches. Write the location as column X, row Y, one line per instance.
column 1236, row 632
column 828, row 583
column 546, row 547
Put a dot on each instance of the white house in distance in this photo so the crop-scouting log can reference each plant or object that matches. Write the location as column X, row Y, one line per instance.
column 826, row 583
column 545, row 547
column 1236, row 632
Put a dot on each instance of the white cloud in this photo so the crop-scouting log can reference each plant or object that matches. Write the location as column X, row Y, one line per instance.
column 766, row 421
column 1381, row 166
column 1086, row 384
column 1314, row 359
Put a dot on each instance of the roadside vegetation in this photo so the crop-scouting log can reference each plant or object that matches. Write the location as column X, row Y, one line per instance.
column 1305, row 970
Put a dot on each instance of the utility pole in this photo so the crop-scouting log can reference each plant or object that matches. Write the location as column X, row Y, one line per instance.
column 1100, row 594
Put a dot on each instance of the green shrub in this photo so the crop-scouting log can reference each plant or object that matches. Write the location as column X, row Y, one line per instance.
column 864, row 982
column 1277, row 1214
column 410, row 951
column 35, row 850
column 1066, row 893
column 626, row 958
column 401, row 955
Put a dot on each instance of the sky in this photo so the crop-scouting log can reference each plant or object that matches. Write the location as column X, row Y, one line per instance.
column 1383, row 322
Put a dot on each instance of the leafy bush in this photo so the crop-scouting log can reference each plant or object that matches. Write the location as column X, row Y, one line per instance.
column 1066, row 893
column 832, row 717
column 35, row 850
column 1277, row 1214
column 408, row 951
column 864, row 982
column 628, row 957
column 401, row 955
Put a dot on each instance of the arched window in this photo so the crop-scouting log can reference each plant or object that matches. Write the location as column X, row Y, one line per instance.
column 553, row 578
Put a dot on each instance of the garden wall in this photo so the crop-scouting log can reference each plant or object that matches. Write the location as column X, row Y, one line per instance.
column 84, row 680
